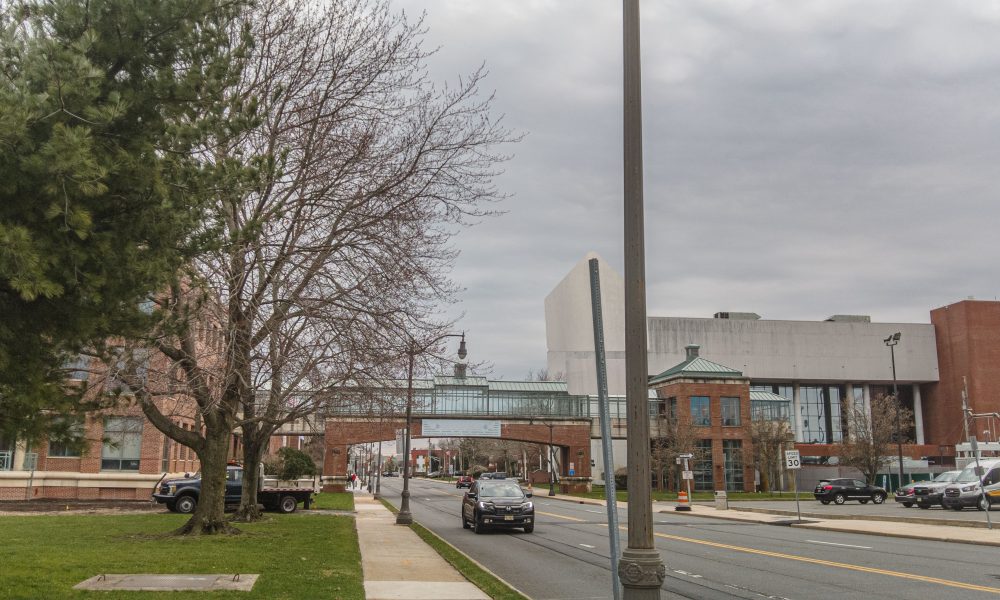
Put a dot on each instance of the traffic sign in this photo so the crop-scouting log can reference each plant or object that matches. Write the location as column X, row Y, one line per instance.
column 687, row 475
column 686, row 455
column 792, row 460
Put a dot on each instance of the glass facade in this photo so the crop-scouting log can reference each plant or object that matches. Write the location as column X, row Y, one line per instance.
column 730, row 412
column 820, row 410
column 702, row 466
column 700, row 413
column 732, row 452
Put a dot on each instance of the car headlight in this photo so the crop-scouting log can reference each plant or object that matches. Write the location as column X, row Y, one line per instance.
column 486, row 506
column 172, row 489
column 970, row 488
column 527, row 506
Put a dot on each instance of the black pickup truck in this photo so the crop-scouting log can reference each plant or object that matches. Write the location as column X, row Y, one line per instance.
column 181, row 495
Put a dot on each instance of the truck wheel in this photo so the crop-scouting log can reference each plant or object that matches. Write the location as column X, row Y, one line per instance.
column 186, row 504
column 984, row 503
column 287, row 504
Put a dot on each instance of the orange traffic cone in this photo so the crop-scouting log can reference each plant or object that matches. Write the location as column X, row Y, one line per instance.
column 682, row 501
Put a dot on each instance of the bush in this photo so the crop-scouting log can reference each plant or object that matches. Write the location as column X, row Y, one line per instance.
column 621, row 478
column 295, row 464
column 477, row 470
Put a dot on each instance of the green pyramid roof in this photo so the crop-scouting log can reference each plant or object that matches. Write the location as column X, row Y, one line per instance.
column 696, row 366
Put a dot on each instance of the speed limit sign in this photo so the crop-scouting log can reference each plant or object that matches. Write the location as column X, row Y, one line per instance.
column 792, row 460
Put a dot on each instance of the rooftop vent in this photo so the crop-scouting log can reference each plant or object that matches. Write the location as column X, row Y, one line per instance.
column 741, row 316
column 850, row 319
column 692, row 351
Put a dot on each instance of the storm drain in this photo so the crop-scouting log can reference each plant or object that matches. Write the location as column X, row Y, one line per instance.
column 240, row 582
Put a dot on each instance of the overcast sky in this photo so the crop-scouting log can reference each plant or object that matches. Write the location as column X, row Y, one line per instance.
column 802, row 159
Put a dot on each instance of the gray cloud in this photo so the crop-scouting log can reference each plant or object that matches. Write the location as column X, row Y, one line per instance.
column 801, row 159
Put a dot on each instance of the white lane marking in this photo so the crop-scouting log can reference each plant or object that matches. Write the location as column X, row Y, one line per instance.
column 600, row 512
column 679, row 572
column 588, row 546
column 844, row 545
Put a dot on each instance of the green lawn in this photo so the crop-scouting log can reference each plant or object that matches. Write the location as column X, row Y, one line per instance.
column 297, row 556
column 334, row 501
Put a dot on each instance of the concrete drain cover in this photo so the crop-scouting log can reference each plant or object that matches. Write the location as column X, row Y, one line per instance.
column 170, row 583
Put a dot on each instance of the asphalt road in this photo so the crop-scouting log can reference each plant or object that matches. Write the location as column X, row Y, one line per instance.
column 567, row 555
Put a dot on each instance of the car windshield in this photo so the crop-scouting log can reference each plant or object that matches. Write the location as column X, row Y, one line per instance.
column 969, row 474
column 947, row 477
column 501, row 490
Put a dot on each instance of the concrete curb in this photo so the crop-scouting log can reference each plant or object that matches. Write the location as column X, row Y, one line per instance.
column 887, row 519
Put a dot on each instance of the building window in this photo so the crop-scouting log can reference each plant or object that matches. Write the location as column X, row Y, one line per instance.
column 165, row 455
column 702, row 466
column 700, row 415
column 730, row 412
column 732, row 454
column 68, row 444
column 122, row 444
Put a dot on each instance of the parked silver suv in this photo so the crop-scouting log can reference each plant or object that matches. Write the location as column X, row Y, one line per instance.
column 974, row 486
column 929, row 493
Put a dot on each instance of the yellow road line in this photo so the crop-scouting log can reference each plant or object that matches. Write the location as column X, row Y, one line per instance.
column 830, row 563
column 548, row 514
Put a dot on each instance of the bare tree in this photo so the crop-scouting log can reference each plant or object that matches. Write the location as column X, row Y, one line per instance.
column 674, row 435
column 330, row 263
column 769, row 437
column 869, row 447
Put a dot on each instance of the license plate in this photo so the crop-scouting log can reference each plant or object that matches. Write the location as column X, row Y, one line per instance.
column 508, row 518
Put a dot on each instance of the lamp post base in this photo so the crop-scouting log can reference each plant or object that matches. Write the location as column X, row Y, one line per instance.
column 642, row 573
column 404, row 517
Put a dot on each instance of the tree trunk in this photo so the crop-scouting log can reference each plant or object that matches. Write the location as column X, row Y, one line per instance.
column 209, row 516
column 253, row 452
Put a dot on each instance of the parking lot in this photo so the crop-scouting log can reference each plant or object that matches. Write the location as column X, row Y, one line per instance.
column 889, row 511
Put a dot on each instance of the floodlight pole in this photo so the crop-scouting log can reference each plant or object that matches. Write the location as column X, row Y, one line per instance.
column 891, row 341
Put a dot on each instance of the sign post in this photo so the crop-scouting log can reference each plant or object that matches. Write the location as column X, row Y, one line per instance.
column 793, row 462
column 687, row 475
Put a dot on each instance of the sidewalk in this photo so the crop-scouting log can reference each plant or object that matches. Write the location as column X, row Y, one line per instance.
column 398, row 565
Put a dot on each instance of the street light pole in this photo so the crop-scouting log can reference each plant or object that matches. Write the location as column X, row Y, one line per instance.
column 891, row 341
column 552, row 473
column 404, row 517
column 641, row 570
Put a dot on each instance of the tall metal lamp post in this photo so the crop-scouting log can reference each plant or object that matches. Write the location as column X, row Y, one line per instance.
column 552, row 472
column 641, row 569
column 891, row 341
column 404, row 517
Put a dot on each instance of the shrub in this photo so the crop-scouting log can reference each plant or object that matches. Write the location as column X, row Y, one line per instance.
column 295, row 464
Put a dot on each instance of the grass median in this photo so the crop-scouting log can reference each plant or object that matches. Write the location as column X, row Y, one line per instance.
column 297, row 556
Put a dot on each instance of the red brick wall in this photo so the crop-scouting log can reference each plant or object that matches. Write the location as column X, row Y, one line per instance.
column 968, row 344
column 684, row 389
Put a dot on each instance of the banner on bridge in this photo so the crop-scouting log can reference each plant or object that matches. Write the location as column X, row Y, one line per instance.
column 460, row 428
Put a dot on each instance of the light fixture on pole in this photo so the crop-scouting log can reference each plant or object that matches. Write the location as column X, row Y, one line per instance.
column 404, row 517
column 891, row 341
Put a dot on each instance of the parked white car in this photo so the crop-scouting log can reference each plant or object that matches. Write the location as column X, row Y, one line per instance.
column 977, row 486
column 929, row 493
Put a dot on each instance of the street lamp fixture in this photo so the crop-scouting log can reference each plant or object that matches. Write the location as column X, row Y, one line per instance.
column 891, row 341
column 404, row 517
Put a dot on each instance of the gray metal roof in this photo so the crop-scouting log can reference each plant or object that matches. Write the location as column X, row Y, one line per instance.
column 696, row 367
column 528, row 386
column 762, row 395
column 466, row 381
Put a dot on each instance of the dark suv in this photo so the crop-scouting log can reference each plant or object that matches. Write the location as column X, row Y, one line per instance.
column 839, row 491
column 501, row 503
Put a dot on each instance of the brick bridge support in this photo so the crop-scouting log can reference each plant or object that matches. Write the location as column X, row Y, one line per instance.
column 571, row 439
